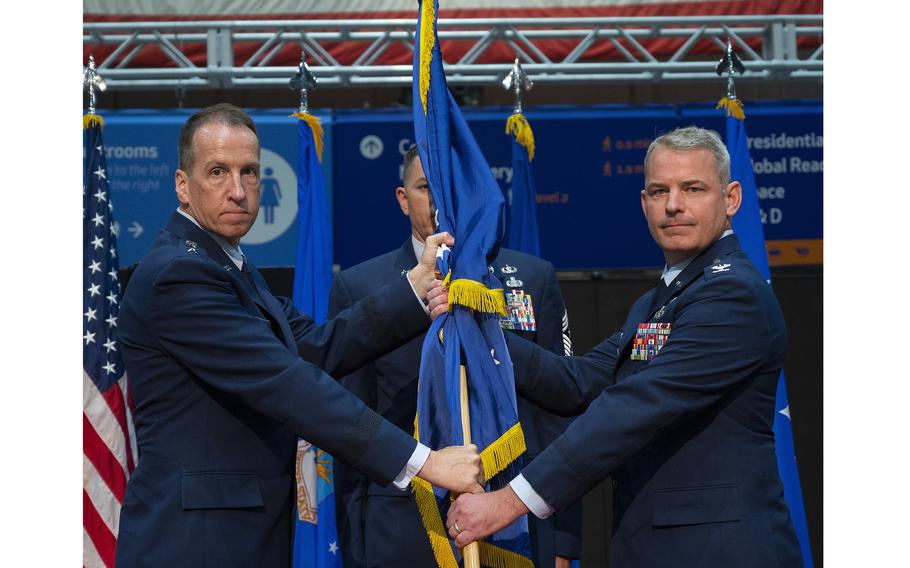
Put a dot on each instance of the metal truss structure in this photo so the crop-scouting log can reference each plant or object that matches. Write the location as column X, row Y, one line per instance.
column 779, row 47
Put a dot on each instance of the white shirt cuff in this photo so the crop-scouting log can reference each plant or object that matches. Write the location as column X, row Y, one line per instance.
column 415, row 463
column 530, row 498
column 423, row 305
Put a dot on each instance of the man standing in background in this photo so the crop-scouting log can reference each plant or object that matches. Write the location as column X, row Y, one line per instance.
column 378, row 526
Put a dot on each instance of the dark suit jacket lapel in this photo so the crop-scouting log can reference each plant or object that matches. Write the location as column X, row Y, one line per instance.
column 186, row 229
column 405, row 259
column 711, row 255
column 649, row 304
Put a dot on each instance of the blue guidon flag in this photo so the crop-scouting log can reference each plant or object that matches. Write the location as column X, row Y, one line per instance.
column 315, row 534
column 469, row 206
column 751, row 235
column 522, row 223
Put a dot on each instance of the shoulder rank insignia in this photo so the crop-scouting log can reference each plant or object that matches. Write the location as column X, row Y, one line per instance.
column 513, row 282
column 508, row 269
column 718, row 268
column 520, row 312
column 191, row 246
column 649, row 338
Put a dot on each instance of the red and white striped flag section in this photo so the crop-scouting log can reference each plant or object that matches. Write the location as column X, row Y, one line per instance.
column 108, row 441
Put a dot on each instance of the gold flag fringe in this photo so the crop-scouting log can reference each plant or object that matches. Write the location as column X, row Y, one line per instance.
column 518, row 125
column 734, row 107
column 493, row 556
column 432, row 522
column 498, row 455
column 427, row 40
column 91, row 120
column 495, row 458
column 474, row 295
column 316, row 127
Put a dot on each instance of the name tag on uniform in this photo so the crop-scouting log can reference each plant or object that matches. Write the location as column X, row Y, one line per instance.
column 520, row 312
column 649, row 338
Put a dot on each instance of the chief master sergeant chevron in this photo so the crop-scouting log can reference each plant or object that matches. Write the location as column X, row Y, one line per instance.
column 225, row 376
column 678, row 405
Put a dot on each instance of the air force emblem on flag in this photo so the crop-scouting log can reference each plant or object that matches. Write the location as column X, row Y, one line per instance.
column 312, row 467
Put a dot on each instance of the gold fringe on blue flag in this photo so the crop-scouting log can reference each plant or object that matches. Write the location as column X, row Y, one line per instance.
column 498, row 455
column 519, row 126
column 316, row 127
column 497, row 557
column 427, row 40
column 474, row 295
column 432, row 522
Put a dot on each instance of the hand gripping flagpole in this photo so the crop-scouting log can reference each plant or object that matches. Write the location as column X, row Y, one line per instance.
column 303, row 81
column 516, row 81
column 91, row 80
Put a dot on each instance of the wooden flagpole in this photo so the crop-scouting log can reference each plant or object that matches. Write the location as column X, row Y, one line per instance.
column 471, row 552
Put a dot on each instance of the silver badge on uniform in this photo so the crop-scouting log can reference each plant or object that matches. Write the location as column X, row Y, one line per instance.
column 513, row 282
column 507, row 269
column 191, row 246
column 718, row 268
column 660, row 312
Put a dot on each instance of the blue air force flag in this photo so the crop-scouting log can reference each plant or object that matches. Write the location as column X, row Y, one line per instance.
column 521, row 220
column 749, row 231
column 315, row 534
column 469, row 206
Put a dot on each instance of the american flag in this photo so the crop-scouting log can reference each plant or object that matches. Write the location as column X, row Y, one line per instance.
column 108, row 440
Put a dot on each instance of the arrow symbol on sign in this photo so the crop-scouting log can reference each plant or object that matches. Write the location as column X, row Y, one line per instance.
column 135, row 230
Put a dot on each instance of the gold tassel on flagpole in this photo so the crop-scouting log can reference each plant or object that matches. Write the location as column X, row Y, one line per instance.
column 734, row 107
column 518, row 125
column 316, row 127
column 89, row 120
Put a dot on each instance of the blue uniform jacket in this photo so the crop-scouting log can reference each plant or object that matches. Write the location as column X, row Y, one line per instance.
column 224, row 376
column 380, row 526
column 687, row 435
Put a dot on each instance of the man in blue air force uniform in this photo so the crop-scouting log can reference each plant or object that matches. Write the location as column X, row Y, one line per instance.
column 225, row 376
column 678, row 405
column 379, row 526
